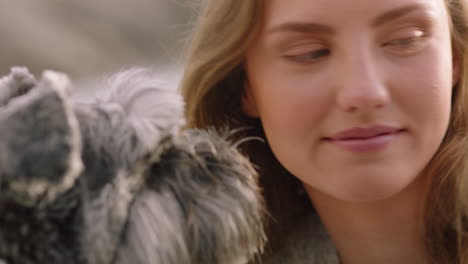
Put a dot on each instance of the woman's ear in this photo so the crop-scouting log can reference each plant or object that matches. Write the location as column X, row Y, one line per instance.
column 249, row 106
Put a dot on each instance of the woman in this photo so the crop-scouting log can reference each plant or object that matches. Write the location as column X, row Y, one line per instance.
column 361, row 105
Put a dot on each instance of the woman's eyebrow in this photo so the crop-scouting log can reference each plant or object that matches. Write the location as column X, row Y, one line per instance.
column 302, row 27
column 306, row 27
column 397, row 13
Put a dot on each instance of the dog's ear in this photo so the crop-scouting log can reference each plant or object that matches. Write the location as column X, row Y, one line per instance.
column 39, row 165
column 153, row 108
column 126, row 121
column 17, row 83
column 40, row 144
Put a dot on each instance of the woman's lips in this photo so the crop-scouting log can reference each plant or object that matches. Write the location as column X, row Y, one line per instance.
column 365, row 139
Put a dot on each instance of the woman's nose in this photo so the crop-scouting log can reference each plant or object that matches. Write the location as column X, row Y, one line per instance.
column 361, row 86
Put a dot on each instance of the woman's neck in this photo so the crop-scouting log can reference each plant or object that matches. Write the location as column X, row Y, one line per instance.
column 385, row 231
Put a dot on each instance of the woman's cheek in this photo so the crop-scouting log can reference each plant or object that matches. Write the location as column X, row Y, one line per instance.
column 306, row 97
column 426, row 89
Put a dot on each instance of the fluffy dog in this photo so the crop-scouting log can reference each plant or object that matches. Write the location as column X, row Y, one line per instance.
column 115, row 180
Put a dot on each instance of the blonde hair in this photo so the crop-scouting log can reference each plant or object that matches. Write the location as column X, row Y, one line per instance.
column 212, row 86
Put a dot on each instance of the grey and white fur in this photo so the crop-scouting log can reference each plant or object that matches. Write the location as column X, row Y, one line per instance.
column 116, row 181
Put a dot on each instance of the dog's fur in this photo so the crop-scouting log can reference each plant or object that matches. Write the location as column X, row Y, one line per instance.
column 114, row 180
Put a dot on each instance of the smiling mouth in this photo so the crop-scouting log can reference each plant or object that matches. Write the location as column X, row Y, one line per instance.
column 364, row 137
column 361, row 140
column 362, row 133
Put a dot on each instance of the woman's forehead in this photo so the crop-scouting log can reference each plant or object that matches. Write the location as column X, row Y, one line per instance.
column 339, row 12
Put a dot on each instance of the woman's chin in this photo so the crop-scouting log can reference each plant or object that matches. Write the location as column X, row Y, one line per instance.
column 363, row 190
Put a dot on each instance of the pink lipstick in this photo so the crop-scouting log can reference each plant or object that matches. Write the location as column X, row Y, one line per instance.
column 365, row 139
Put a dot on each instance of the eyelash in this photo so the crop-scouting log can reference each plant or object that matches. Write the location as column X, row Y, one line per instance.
column 409, row 44
column 316, row 55
column 309, row 57
column 403, row 41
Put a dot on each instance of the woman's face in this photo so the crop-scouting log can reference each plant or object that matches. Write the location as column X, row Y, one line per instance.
column 354, row 96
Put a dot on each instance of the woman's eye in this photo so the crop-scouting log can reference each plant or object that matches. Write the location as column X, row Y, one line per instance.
column 404, row 41
column 309, row 57
column 407, row 41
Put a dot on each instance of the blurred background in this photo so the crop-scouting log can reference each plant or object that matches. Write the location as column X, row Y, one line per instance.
column 91, row 38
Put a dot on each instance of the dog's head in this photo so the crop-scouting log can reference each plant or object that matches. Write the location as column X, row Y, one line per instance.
column 119, row 182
